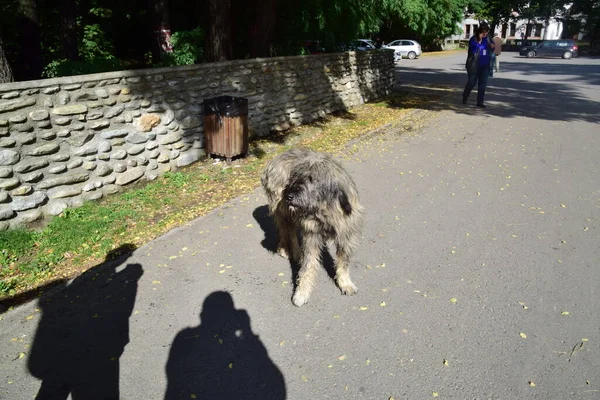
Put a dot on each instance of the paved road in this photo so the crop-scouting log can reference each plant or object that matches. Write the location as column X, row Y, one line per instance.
column 478, row 272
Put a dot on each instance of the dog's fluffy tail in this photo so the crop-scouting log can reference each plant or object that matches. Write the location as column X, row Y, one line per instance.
column 344, row 202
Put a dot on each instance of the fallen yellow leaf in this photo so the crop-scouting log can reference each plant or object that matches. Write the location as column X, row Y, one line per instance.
column 453, row 300
column 364, row 308
column 531, row 384
column 524, row 336
column 382, row 304
column 342, row 358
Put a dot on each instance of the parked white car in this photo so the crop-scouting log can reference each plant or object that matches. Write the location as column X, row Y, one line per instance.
column 407, row 48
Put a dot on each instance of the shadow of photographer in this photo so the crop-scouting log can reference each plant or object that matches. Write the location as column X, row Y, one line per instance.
column 83, row 331
column 222, row 358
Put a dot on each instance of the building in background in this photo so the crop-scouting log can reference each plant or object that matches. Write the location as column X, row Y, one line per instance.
column 517, row 28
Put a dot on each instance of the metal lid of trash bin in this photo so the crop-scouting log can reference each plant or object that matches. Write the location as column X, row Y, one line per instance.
column 226, row 106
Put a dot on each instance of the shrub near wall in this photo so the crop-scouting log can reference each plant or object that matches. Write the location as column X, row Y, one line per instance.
column 68, row 140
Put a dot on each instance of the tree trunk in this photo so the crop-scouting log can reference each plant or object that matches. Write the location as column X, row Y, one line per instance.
column 5, row 71
column 161, row 28
column 68, row 30
column 219, row 40
column 31, row 47
column 261, row 32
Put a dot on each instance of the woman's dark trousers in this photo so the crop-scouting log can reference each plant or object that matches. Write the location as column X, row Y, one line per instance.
column 480, row 78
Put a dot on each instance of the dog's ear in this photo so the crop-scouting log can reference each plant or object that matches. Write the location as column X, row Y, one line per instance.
column 344, row 201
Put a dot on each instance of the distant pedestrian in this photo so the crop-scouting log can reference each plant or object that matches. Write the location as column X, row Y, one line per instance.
column 497, row 50
column 478, row 64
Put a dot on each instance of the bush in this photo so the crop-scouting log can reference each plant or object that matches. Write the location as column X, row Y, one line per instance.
column 66, row 67
column 187, row 48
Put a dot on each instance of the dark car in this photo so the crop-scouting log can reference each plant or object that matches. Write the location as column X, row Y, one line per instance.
column 313, row 47
column 551, row 48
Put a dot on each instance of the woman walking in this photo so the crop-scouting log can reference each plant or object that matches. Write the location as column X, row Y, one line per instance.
column 480, row 47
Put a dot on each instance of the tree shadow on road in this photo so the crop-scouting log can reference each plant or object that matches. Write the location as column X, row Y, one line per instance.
column 83, row 331
column 222, row 358
column 554, row 100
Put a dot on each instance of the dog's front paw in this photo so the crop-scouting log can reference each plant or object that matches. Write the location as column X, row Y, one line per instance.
column 300, row 299
column 349, row 288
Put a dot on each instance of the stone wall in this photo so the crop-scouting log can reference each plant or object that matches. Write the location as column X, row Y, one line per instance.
column 67, row 140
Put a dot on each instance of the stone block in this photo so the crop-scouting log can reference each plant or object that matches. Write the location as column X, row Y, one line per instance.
column 72, row 109
column 9, row 157
column 22, row 203
column 39, row 115
column 6, row 172
column 7, row 142
column 117, row 133
column 9, row 183
column 169, row 138
column 147, row 121
column 63, row 180
column 16, row 104
column 44, row 150
column 6, row 213
column 61, row 193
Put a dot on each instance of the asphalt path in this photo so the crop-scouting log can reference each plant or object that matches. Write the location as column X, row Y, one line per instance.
column 478, row 271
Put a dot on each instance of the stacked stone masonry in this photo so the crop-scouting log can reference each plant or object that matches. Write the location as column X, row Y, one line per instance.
column 68, row 140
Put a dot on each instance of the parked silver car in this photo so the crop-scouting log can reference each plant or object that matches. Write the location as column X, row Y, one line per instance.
column 407, row 48
column 364, row 44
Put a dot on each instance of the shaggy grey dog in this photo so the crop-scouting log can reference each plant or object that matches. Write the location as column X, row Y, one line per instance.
column 311, row 194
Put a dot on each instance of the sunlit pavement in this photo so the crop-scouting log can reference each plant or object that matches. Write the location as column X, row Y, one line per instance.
column 478, row 271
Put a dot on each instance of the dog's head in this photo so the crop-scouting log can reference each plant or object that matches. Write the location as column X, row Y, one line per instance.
column 305, row 195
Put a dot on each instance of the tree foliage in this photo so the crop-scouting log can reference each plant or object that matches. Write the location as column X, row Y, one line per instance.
column 5, row 70
column 82, row 36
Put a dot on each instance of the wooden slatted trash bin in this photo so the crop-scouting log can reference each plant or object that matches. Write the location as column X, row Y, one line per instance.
column 226, row 126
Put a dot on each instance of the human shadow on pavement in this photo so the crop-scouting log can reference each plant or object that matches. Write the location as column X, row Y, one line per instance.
column 222, row 358
column 271, row 239
column 83, row 331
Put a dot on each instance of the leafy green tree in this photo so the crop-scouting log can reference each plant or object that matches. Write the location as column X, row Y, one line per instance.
column 31, row 47
column 498, row 12
column 161, row 27
column 587, row 13
column 187, row 48
column 429, row 21
column 332, row 22
column 68, row 29
column 5, row 70
column 219, row 41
